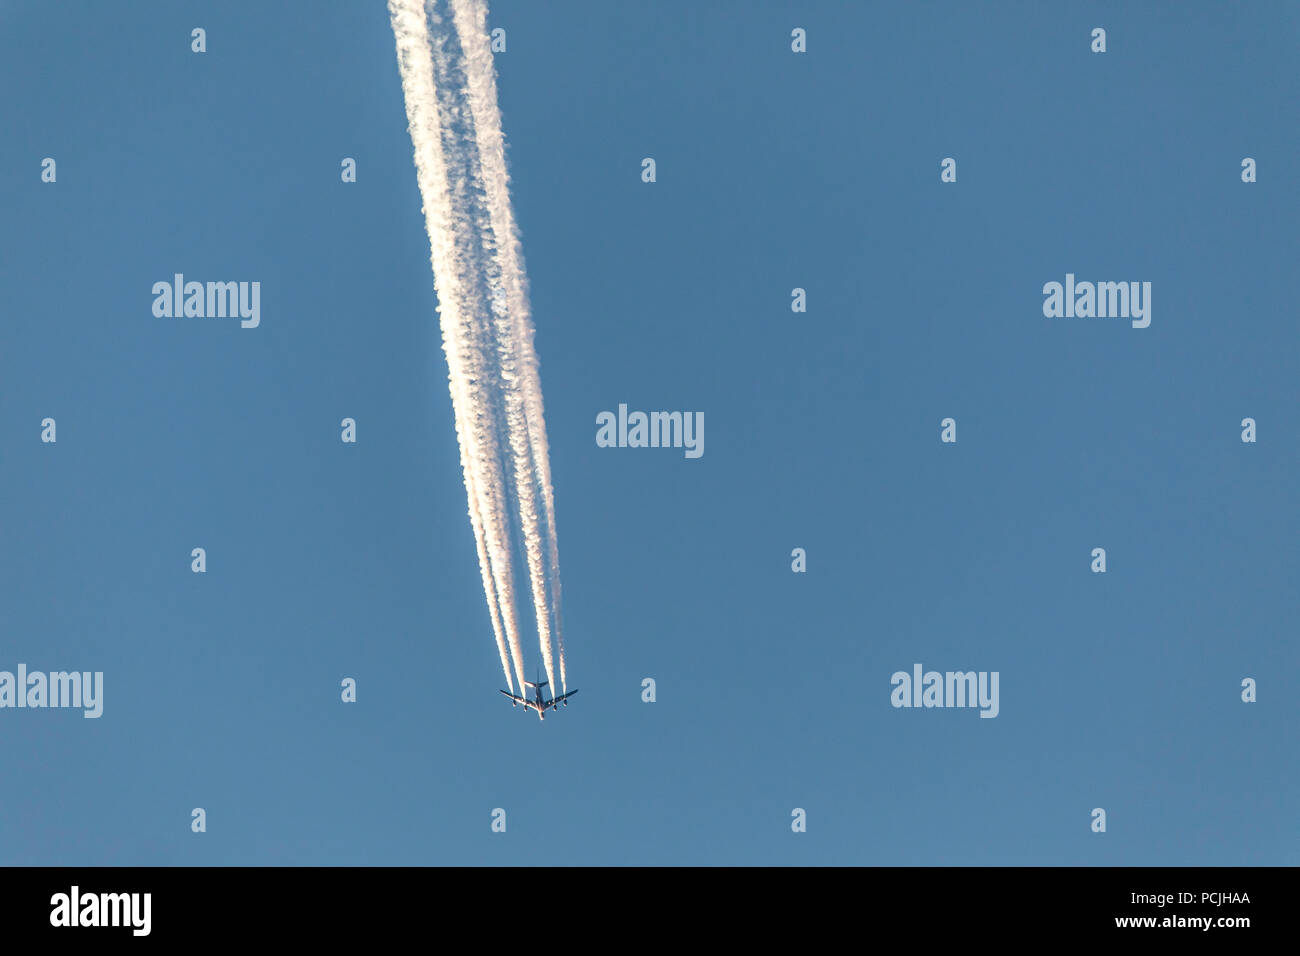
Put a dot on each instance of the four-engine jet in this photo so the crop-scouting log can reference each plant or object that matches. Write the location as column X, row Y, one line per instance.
column 538, row 703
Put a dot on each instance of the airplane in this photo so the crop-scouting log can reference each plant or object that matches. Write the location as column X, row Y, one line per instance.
column 537, row 703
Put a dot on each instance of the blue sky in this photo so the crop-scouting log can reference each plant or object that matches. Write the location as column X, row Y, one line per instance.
column 775, row 171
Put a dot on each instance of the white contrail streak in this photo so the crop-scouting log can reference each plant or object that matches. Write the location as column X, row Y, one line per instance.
column 479, row 459
column 527, row 427
column 455, row 126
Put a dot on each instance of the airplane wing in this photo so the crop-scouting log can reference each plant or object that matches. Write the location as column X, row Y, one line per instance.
column 562, row 698
column 518, row 700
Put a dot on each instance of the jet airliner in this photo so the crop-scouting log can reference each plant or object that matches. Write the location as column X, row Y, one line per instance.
column 538, row 703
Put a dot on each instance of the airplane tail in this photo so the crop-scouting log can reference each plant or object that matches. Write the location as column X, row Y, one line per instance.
column 531, row 684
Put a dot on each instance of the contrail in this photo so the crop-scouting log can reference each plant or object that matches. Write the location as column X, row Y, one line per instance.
column 455, row 127
column 527, row 427
column 479, row 461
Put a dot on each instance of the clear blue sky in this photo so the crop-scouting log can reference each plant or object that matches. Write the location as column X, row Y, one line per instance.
column 775, row 170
